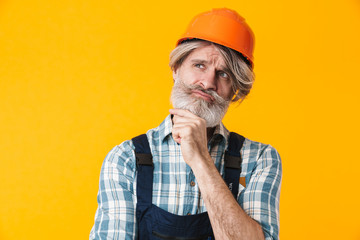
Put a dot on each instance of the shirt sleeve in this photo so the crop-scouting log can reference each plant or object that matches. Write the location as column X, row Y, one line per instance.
column 115, row 216
column 260, row 198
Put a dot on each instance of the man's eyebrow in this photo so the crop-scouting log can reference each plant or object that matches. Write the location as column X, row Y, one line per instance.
column 202, row 61
column 199, row 61
column 225, row 69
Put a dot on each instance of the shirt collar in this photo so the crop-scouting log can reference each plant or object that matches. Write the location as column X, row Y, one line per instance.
column 220, row 132
column 165, row 128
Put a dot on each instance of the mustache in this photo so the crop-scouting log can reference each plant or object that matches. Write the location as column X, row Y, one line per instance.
column 189, row 88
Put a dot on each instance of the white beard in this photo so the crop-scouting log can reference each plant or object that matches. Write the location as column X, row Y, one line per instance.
column 213, row 113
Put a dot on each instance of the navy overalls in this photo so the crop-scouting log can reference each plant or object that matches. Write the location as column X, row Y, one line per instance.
column 156, row 223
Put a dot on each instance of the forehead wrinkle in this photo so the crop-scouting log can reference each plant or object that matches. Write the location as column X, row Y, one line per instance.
column 208, row 54
column 214, row 61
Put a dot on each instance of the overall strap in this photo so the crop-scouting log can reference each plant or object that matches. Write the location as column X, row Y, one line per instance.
column 145, row 169
column 233, row 162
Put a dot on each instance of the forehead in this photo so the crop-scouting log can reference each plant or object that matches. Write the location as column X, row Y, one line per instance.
column 207, row 53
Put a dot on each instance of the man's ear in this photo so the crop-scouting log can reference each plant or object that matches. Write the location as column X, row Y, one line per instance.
column 175, row 73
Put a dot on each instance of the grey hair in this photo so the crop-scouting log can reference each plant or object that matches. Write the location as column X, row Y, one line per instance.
column 240, row 69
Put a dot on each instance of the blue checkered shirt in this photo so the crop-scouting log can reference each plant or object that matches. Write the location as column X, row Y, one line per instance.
column 115, row 217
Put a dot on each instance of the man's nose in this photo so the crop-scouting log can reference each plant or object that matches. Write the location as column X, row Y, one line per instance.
column 208, row 80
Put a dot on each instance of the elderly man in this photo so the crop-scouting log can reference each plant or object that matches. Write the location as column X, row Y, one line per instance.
column 190, row 178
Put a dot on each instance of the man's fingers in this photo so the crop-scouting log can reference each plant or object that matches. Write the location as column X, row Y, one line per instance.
column 184, row 116
column 182, row 129
column 177, row 119
column 196, row 122
column 177, row 138
column 182, row 113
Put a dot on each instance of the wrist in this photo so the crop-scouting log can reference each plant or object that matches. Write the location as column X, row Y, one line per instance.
column 202, row 164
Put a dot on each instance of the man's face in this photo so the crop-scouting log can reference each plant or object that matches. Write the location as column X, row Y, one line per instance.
column 206, row 67
column 203, row 85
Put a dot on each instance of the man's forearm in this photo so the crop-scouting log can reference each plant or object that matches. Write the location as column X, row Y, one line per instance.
column 228, row 219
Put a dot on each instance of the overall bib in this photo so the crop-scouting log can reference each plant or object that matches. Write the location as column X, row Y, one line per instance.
column 156, row 223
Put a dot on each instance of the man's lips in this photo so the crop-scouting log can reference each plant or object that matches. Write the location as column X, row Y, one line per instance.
column 203, row 95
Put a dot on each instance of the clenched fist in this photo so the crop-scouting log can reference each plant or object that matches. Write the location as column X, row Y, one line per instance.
column 190, row 132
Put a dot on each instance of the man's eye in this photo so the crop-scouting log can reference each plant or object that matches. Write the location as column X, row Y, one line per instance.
column 199, row 65
column 223, row 75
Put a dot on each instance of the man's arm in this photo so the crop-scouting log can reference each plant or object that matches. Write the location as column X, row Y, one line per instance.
column 228, row 219
column 115, row 215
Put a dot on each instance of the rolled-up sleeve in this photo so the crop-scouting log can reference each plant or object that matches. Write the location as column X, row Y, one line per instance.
column 115, row 216
column 260, row 198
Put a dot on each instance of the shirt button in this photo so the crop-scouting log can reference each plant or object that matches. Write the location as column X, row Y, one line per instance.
column 192, row 183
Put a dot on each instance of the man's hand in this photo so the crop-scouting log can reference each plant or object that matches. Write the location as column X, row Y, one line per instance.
column 189, row 130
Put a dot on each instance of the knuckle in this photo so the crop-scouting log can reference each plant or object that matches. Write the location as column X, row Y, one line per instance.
column 192, row 124
column 199, row 121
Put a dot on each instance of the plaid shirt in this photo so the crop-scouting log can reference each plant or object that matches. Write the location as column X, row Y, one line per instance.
column 115, row 217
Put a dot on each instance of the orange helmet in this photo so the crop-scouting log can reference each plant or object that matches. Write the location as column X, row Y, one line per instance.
column 225, row 27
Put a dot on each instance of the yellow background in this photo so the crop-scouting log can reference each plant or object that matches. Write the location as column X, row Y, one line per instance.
column 79, row 77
